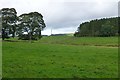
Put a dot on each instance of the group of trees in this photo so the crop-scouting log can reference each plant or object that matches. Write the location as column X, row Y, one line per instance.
column 103, row 27
column 26, row 26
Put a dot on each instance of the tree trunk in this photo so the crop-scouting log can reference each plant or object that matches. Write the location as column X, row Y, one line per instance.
column 3, row 34
column 39, row 34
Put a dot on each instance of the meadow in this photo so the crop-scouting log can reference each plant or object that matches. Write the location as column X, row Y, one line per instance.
column 61, row 57
column 0, row 59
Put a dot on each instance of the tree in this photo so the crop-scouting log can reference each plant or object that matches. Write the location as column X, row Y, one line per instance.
column 107, row 29
column 9, row 19
column 30, row 26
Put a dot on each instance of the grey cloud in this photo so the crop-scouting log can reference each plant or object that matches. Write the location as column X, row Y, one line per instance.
column 73, row 13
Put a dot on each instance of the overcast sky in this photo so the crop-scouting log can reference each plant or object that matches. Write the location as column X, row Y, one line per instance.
column 64, row 16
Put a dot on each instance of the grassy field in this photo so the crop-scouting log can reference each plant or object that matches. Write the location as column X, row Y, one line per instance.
column 61, row 57
column 0, row 59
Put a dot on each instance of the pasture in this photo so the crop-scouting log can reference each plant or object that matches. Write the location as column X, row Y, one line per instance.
column 61, row 57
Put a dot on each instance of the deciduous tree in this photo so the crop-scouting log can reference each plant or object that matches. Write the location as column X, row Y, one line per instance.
column 30, row 26
column 9, row 19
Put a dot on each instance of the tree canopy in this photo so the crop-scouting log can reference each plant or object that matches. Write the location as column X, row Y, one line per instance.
column 26, row 26
column 30, row 25
column 9, row 18
column 99, row 27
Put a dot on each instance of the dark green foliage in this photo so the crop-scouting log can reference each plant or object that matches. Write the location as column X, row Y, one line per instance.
column 4, row 34
column 103, row 27
column 9, row 19
column 26, row 26
column 107, row 30
column 31, row 24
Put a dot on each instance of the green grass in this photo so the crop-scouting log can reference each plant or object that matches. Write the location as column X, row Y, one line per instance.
column 61, row 57
column 0, row 59
column 100, row 41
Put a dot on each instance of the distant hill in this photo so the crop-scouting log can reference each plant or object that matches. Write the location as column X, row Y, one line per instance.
column 99, row 27
column 66, row 34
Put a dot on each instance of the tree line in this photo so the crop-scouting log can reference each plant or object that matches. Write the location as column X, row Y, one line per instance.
column 99, row 27
column 26, row 26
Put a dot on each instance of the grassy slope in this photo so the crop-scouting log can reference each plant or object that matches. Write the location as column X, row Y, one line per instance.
column 69, row 40
column 61, row 57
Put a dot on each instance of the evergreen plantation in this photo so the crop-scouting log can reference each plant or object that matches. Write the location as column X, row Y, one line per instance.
column 99, row 27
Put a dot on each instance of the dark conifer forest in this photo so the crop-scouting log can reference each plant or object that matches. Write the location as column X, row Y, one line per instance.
column 99, row 27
